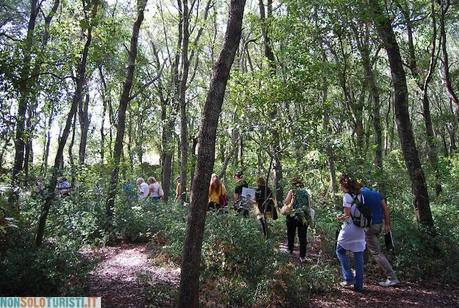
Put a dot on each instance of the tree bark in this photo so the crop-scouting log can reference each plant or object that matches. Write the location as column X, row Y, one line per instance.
column 370, row 82
column 28, row 78
column 445, row 4
column 405, row 131
column 83, row 117
column 423, row 86
column 58, row 162
column 124, row 102
column 47, row 141
column 185, row 61
column 191, row 258
column 72, row 161
column 24, row 90
column 269, row 54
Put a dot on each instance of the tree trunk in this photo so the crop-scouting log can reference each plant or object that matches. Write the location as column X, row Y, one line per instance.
column 124, row 102
column 191, row 258
column 83, row 117
column 72, row 161
column 373, row 89
column 105, row 97
column 182, row 98
column 28, row 78
column 4, row 148
column 405, row 131
column 81, row 77
column 269, row 54
column 24, row 90
column 32, row 106
column 423, row 86
column 328, row 148
column 445, row 57
column 129, row 144
column 47, row 141
column 169, row 120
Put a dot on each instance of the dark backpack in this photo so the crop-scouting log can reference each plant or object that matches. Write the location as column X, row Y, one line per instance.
column 361, row 216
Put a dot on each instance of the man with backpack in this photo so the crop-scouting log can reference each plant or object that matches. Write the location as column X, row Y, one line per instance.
column 379, row 214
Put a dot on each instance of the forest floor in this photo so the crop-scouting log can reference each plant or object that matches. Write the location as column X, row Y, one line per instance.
column 125, row 274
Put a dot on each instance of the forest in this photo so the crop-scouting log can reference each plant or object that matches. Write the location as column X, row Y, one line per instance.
column 96, row 95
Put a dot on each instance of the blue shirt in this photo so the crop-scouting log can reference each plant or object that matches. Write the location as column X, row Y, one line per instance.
column 373, row 199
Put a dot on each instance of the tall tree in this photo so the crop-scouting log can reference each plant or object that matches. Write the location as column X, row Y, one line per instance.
column 269, row 54
column 445, row 5
column 191, row 257
column 24, row 90
column 77, row 96
column 405, row 130
column 124, row 102
column 28, row 77
column 185, row 61
column 423, row 83
column 84, row 119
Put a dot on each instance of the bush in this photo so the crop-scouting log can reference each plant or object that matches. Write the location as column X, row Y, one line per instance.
column 239, row 266
column 421, row 256
column 54, row 269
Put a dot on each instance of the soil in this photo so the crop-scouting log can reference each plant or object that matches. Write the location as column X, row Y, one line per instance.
column 124, row 272
column 117, row 277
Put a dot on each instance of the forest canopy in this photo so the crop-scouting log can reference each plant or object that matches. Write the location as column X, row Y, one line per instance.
column 98, row 93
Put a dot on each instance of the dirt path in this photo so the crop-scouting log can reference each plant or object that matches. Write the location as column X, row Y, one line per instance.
column 116, row 278
column 407, row 294
column 121, row 277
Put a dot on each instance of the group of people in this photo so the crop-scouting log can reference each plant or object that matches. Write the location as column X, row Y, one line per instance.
column 149, row 190
column 300, row 215
column 262, row 204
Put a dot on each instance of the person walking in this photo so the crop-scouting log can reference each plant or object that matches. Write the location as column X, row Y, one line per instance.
column 239, row 204
column 351, row 237
column 298, row 219
column 264, row 199
column 380, row 222
column 217, row 194
column 142, row 188
column 155, row 190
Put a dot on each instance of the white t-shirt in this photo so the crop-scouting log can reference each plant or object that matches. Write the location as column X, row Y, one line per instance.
column 351, row 237
column 154, row 189
column 143, row 190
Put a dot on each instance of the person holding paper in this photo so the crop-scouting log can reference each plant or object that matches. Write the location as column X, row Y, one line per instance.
column 379, row 214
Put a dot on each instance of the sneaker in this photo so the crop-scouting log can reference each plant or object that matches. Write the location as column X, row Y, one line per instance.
column 389, row 282
column 303, row 259
column 346, row 284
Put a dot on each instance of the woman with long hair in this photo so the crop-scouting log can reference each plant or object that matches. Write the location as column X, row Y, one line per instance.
column 217, row 193
column 351, row 237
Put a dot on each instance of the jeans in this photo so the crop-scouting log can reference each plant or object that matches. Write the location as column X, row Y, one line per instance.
column 292, row 225
column 371, row 237
column 346, row 268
